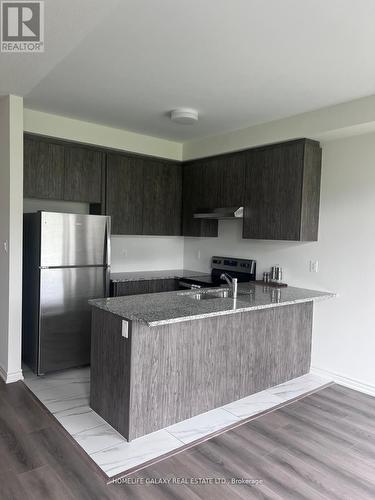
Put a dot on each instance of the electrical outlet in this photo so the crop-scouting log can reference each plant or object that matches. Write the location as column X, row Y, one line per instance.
column 5, row 246
column 125, row 329
column 125, row 252
column 198, row 254
column 314, row 266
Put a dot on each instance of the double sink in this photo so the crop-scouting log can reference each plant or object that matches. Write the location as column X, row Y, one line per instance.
column 225, row 293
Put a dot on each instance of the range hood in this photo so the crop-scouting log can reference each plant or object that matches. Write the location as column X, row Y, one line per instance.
column 220, row 213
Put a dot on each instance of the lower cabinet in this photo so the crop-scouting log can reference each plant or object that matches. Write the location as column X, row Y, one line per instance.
column 119, row 289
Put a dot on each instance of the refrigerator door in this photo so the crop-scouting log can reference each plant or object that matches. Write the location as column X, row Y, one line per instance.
column 65, row 315
column 74, row 240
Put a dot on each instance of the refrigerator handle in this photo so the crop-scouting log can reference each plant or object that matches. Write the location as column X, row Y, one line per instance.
column 107, row 279
column 108, row 243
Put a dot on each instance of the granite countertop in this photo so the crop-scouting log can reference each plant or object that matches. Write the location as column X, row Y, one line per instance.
column 154, row 275
column 157, row 309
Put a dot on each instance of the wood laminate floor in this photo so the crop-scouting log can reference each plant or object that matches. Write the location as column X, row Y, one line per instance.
column 320, row 447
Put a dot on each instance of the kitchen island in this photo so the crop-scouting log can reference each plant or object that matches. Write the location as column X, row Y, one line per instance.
column 157, row 359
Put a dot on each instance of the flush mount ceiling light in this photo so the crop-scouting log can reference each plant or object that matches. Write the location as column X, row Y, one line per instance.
column 185, row 116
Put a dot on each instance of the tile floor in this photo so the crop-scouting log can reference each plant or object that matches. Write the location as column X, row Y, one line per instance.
column 66, row 396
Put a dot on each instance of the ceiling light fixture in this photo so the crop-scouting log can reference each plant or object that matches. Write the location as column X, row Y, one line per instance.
column 185, row 116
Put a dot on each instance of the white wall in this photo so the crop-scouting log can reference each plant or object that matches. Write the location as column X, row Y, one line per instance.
column 344, row 328
column 146, row 253
column 11, row 185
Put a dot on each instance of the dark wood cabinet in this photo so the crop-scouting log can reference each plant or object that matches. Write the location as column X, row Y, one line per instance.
column 278, row 186
column 211, row 183
column 199, row 193
column 58, row 170
column 162, row 198
column 124, row 193
column 43, row 169
column 143, row 196
column 282, row 192
column 163, row 285
column 119, row 289
column 83, row 174
column 232, row 179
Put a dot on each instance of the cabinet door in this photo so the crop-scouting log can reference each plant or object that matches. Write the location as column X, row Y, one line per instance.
column 144, row 286
column 43, row 169
column 130, row 288
column 232, row 180
column 124, row 194
column 273, row 193
column 200, row 191
column 83, row 175
column 163, row 285
column 162, row 197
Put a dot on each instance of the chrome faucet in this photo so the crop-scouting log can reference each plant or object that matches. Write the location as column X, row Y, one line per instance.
column 232, row 282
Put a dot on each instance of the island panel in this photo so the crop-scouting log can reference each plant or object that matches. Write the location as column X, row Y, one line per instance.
column 175, row 371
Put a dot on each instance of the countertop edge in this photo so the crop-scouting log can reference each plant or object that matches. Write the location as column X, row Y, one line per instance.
column 152, row 324
column 182, row 319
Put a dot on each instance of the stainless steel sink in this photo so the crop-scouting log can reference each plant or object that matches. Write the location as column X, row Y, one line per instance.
column 218, row 294
column 210, row 294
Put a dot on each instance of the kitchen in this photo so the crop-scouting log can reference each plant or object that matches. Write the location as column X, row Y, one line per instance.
column 273, row 191
column 188, row 290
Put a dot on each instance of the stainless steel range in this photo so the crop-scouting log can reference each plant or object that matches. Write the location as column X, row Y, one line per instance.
column 242, row 269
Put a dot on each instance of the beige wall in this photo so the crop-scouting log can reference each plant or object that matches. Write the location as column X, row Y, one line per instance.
column 11, row 186
column 343, row 338
column 342, row 120
column 92, row 133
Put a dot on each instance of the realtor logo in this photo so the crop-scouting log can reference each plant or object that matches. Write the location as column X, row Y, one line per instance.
column 22, row 26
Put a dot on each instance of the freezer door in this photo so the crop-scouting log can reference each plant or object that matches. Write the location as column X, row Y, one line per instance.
column 74, row 240
column 65, row 316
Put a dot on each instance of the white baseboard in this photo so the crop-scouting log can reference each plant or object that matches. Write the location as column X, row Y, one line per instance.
column 352, row 383
column 10, row 377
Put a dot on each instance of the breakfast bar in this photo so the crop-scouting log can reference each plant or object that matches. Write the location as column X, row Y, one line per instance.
column 157, row 359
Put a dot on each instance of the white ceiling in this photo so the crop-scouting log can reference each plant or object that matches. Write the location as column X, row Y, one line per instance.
column 126, row 63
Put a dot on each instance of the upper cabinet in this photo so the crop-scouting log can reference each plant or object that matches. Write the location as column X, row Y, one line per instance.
column 62, row 171
column 124, row 193
column 83, row 174
column 282, row 192
column 162, row 198
column 278, row 186
column 43, row 174
column 211, row 183
column 200, row 191
column 143, row 195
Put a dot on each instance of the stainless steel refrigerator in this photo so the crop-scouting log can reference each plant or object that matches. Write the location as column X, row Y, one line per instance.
column 66, row 262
